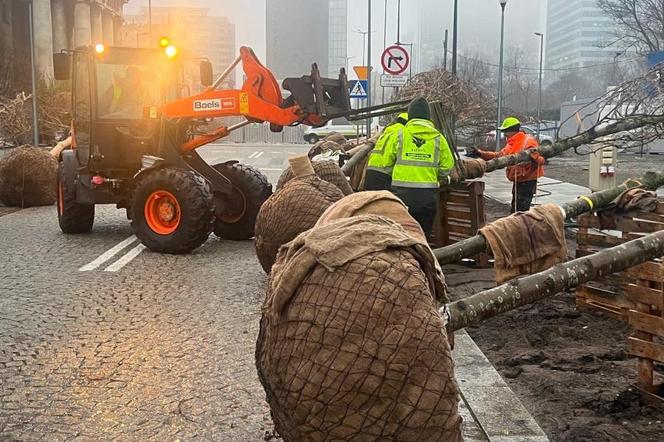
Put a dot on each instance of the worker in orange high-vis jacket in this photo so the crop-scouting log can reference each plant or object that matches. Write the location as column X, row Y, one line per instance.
column 523, row 176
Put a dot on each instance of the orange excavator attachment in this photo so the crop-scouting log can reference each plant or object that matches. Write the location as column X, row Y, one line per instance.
column 260, row 100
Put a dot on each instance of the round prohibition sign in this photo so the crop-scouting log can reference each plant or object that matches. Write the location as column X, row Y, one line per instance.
column 395, row 60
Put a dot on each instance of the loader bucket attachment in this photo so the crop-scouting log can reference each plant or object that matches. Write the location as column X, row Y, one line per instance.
column 319, row 98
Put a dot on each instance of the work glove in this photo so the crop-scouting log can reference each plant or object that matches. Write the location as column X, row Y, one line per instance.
column 473, row 152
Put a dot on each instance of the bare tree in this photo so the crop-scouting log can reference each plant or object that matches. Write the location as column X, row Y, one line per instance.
column 519, row 81
column 640, row 23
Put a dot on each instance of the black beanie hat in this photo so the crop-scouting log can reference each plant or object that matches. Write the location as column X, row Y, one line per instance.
column 419, row 108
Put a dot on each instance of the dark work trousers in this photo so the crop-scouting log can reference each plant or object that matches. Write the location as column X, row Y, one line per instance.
column 375, row 180
column 524, row 191
column 422, row 205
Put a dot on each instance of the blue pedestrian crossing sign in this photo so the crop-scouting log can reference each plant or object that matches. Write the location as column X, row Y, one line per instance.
column 358, row 88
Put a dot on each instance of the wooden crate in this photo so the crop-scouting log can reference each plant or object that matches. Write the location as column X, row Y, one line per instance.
column 634, row 296
column 461, row 215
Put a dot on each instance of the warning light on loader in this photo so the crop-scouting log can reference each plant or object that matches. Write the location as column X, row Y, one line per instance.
column 164, row 42
column 100, row 48
column 171, row 51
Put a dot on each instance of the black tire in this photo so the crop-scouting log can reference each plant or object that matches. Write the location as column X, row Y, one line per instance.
column 72, row 216
column 312, row 138
column 194, row 211
column 250, row 190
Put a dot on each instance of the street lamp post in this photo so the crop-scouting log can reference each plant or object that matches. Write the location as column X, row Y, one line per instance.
column 33, row 66
column 454, row 37
column 384, row 42
column 539, row 93
column 500, row 70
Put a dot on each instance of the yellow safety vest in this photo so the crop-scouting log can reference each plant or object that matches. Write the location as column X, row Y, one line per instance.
column 423, row 157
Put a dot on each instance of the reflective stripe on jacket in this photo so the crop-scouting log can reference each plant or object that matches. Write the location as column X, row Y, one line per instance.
column 420, row 156
column 377, row 158
column 520, row 172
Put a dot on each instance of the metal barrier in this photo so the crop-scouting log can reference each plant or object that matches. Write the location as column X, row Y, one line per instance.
column 260, row 133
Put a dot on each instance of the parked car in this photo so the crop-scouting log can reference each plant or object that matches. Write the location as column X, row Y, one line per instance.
column 350, row 130
column 545, row 140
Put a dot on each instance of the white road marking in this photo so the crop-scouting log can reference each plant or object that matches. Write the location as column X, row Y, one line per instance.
column 106, row 256
column 126, row 259
column 268, row 169
column 253, row 155
column 259, row 155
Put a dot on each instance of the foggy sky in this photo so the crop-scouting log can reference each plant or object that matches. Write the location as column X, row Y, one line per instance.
column 479, row 23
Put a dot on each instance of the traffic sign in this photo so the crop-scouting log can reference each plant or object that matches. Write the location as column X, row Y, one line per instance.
column 358, row 88
column 393, row 80
column 395, row 60
column 362, row 72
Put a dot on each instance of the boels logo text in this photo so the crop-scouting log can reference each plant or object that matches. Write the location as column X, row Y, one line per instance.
column 213, row 104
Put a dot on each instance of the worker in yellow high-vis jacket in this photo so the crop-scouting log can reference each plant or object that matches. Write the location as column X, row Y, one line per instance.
column 421, row 162
column 379, row 176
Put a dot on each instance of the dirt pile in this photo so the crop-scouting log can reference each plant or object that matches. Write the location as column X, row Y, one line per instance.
column 351, row 343
column 292, row 210
column 28, row 177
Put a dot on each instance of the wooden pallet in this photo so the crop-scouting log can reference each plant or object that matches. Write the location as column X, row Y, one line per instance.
column 461, row 215
column 634, row 296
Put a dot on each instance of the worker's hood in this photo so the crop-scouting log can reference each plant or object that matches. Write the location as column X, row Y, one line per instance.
column 423, row 129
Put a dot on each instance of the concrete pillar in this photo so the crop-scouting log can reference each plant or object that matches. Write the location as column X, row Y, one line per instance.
column 97, row 27
column 107, row 27
column 41, row 19
column 117, row 31
column 82, row 26
column 59, row 16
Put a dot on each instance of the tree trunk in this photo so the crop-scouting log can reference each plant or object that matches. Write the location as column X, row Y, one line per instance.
column 529, row 289
column 361, row 154
column 557, row 148
column 477, row 244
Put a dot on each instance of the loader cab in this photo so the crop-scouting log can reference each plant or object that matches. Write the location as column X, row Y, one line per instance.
column 117, row 97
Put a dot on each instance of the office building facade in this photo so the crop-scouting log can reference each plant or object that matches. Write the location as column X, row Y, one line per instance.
column 301, row 32
column 578, row 34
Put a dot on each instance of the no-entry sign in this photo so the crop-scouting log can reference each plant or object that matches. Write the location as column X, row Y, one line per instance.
column 395, row 60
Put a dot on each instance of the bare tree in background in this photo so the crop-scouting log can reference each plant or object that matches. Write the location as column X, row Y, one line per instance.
column 640, row 23
column 520, row 83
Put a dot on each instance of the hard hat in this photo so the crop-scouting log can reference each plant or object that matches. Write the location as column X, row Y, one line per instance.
column 509, row 123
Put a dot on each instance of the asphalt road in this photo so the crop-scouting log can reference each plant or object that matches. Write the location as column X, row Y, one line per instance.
column 101, row 339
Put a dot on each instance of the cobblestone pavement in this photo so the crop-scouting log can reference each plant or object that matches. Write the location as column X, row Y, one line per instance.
column 162, row 349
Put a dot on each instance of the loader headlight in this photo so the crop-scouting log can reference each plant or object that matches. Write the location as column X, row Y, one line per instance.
column 100, row 48
column 164, row 42
column 171, row 51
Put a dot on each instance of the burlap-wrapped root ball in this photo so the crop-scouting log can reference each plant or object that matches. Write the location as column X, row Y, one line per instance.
column 291, row 210
column 325, row 170
column 351, row 345
column 28, row 177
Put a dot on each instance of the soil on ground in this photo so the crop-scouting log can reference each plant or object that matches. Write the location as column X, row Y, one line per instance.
column 569, row 368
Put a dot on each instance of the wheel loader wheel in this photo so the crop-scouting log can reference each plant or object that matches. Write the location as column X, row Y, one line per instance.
column 250, row 190
column 172, row 211
column 72, row 216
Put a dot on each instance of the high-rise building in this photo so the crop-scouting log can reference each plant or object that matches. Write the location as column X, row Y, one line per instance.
column 189, row 28
column 301, row 32
column 576, row 32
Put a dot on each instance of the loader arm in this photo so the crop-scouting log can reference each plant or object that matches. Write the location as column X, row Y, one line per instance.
column 260, row 100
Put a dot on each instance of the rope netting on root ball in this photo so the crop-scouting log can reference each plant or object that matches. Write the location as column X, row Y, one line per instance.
column 326, row 171
column 351, row 344
column 291, row 210
column 28, row 177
